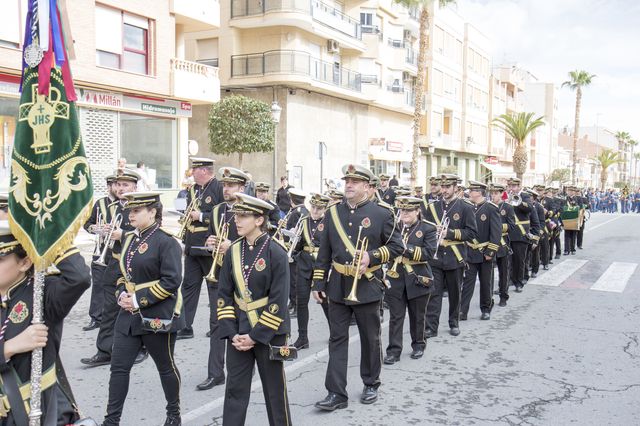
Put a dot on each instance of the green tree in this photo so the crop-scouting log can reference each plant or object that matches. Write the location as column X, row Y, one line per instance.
column 577, row 80
column 240, row 125
column 606, row 159
column 631, row 143
column 420, row 86
column 560, row 175
column 519, row 127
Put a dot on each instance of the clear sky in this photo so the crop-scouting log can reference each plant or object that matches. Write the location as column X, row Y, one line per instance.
column 551, row 37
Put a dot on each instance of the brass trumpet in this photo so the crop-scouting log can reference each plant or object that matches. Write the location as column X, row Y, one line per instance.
column 222, row 235
column 115, row 224
column 393, row 271
column 97, row 230
column 293, row 241
column 441, row 235
column 185, row 221
column 361, row 247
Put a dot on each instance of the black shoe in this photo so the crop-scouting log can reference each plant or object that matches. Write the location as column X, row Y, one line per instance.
column 417, row 353
column 534, row 274
column 454, row 331
column 545, row 267
column 301, row 343
column 97, row 360
column 173, row 420
column 558, row 256
column 518, row 289
column 185, row 333
column 566, row 253
column 93, row 324
column 503, row 302
column 391, row 359
column 430, row 333
column 463, row 316
column 550, row 262
column 580, row 247
column 485, row 316
column 573, row 253
column 210, row 382
column 293, row 313
column 369, row 395
column 142, row 355
column 332, row 402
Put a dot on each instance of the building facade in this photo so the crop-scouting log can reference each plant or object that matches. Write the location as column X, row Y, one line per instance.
column 136, row 91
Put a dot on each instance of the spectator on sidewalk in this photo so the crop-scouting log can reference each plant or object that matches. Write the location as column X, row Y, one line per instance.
column 282, row 197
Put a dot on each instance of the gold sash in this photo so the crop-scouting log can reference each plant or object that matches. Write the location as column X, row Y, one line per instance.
column 241, row 284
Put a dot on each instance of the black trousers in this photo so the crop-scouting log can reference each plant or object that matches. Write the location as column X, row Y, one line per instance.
column 545, row 253
column 303, row 294
column 503, row 276
column 125, row 349
column 570, row 240
column 368, row 321
column 580, row 235
column 452, row 281
column 398, row 306
column 215, row 367
column 554, row 241
column 519, row 259
column 535, row 257
column 97, row 293
column 238, row 390
column 484, row 271
column 110, row 308
column 293, row 281
column 195, row 269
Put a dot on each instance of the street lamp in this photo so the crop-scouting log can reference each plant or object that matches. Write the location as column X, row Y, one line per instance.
column 276, row 110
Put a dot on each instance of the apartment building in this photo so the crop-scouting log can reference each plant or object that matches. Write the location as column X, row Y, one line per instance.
column 136, row 91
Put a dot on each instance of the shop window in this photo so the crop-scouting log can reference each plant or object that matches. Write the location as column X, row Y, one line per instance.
column 154, row 141
column 122, row 40
column 8, row 114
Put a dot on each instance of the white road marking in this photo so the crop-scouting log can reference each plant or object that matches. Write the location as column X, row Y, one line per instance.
column 591, row 228
column 616, row 277
column 559, row 273
column 216, row 403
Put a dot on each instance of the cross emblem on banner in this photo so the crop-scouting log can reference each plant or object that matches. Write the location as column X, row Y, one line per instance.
column 40, row 115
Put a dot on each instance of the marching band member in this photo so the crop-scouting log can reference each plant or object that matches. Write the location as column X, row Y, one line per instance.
column 148, row 291
column 434, row 195
column 335, row 195
column 482, row 252
column 126, row 182
column 570, row 236
column 96, row 224
column 262, row 193
column 252, row 314
column 418, row 192
column 233, row 182
column 354, row 285
column 203, row 195
column 449, row 262
column 560, row 203
column 387, row 194
column 503, row 257
column 312, row 228
column 540, row 254
column 520, row 236
column 19, row 336
column 298, row 210
column 411, row 287
column 550, row 219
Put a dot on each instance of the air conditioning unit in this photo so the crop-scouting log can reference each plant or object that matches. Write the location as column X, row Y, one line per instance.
column 333, row 46
column 406, row 35
column 406, row 76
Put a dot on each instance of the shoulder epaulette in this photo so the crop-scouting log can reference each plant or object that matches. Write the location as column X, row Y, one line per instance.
column 167, row 231
column 466, row 200
column 493, row 204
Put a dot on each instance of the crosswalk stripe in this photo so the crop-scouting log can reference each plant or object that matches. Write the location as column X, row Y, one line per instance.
column 557, row 275
column 616, row 277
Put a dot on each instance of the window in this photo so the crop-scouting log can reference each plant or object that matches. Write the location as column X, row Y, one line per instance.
column 366, row 19
column 122, row 40
column 14, row 18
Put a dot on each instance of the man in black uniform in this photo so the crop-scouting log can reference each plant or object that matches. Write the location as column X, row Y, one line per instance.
column 584, row 204
column 448, row 266
column 222, row 215
column 298, row 210
column 540, row 254
column 433, row 195
column 262, row 193
column 570, row 236
column 411, row 280
column 125, row 182
column 418, row 192
column 559, row 203
column 346, row 228
column 504, row 252
column 101, row 212
column 482, row 251
column 550, row 208
column 205, row 194
column 305, row 255
column 521, row 236
column 387, row 194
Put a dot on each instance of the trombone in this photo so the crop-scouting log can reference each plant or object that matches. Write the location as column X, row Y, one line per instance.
column 185, row 220
column 108, row 242
column 440, row 235
column 361, row 247
column 221, row 235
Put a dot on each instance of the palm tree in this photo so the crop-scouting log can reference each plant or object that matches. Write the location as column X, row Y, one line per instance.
column 632, row 145
column 420, row 86
column 623, row 139
column 519, row 127
column 577, row 80
column 606, row 159
column 636, row 157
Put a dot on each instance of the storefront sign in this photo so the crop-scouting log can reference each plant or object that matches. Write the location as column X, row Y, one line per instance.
column 491, row 160
column 394, row 146
column 92, row 97
column 158, row 106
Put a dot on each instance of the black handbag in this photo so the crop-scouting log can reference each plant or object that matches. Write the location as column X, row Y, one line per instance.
column 156, row 325
column 285, row 352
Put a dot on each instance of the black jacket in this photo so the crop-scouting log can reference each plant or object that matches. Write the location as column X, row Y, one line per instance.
column 283, row 200
column 307, row 248
column 508, row 224
column 268, row 291
column 209, row 195
column 487, row 241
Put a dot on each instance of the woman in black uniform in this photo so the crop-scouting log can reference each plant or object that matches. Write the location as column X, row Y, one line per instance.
column 411, row 280
column 18, row 337
column 253, row 315
column 150, row 300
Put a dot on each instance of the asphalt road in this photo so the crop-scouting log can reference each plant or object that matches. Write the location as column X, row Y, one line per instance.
column 565, row 351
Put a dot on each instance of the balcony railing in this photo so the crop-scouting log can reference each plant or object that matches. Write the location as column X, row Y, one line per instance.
column 410, row 56
column 370, row 79
column 319, row 11
column 195, row 81
column 213, row 62
column 295, row 62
